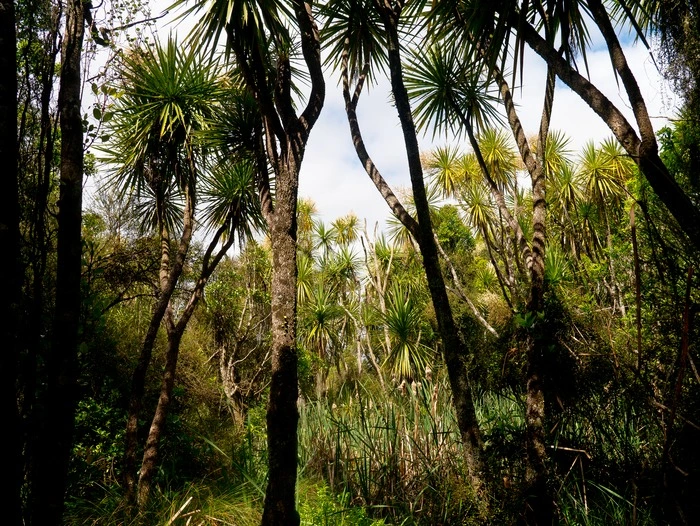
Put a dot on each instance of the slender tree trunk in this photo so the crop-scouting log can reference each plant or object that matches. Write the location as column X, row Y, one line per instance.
column 56, row 433
column 645, row 151
column 175, row 330
column 40, row 169
column 540, row 501
column 168, row 281
column 10, row 267
column 453, row 347
column 637, row 289
column 286, row 136
column 149, row 463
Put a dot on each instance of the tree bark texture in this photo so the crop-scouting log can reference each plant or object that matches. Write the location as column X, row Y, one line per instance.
column 149, row 463
column 175, row 330
column 282, row 412
column 10, row 261
column 168, row 280
column 539, row 502
column 286, row 136
column 56, row 431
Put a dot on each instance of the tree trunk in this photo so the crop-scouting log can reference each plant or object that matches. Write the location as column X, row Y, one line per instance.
column 38, row 245
column 637, row 289
column 539, row 501
column 644, row 152
column 286, row 135
column 150, row 454
column 282, row 412
column 55, row 436
column 453, row 347
column 175, row 331
column 168, row 281
column 10, row 262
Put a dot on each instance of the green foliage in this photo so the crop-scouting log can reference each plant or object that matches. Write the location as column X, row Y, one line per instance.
column 99, row 448
column 394, row 453
column 408, row 356
column 372, row 453
column 680, row 150
column 453, row 234
column 325, row 509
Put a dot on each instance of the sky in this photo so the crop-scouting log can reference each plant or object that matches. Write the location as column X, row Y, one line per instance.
column 333, row 178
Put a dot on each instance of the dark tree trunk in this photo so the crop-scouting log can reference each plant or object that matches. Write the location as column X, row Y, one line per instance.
column 138, row 379
column 286, row 136
column 453, row 347
column 282, row 412
column 150, row 455
column 539, row 501
column 10, row 268
column 56, row 430
column 168, row 280
column 39, row 170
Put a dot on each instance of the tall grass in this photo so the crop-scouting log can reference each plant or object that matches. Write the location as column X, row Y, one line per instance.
column 370, row 456
column 395, row 453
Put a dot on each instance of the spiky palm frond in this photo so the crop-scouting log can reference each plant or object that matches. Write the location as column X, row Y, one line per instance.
column 557, row 154
column 244, row 23
column 147, row 204
column 489, row 31
column 478, row 206
column 469, row 165
column 346, row 229
column 383, row 250
column 404, row 317
column 304, row 278
column 444, row 167
column 355, row 30
column 320, row 318
column 306, row 214
column 556, row 267
column 599, row 173
column 565, row 190
column 236, row 123
column 167, row 97
column 342, row 269
column 587, row 226
column 485, row 278
column 622, row 166
column 230, row 199
column 448, row 93
column 324, row 238
column 500, row 156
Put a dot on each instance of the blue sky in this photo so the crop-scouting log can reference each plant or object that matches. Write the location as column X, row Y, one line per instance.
column 334, row 179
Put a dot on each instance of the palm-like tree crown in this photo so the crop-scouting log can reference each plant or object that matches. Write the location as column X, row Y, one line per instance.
column 166, row 100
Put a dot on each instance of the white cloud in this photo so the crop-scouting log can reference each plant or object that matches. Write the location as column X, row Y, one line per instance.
column 334, row 179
